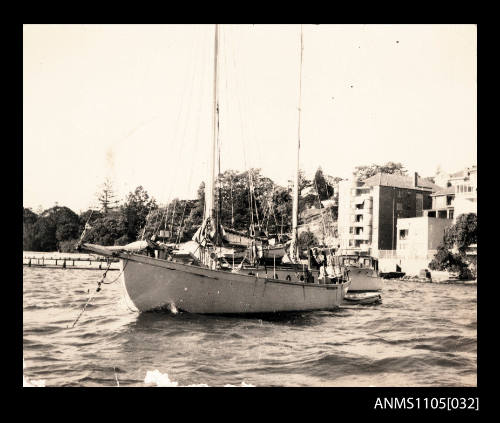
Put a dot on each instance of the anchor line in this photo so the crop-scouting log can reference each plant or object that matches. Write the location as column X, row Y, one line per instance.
column 98, row 289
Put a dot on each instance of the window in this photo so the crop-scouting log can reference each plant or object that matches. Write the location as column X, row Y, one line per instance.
column 399, row 206
column 450, row 214
column 359, row 218
column 403, row 234
column 449, row 200
column 351, row 230
column 359, row 231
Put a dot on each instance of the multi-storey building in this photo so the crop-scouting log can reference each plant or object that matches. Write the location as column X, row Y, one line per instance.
column 369, row 209
column 419, row 237
column 460, row 197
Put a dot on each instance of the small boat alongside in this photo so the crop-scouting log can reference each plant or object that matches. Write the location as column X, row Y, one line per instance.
column 362, row 298
column 363, row 273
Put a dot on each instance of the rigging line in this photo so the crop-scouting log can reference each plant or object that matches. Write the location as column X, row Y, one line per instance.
column 201, row 91
column 178, row 120
column 253, row 199
column 238, row 101
column 172, row 224
column 245, row 110
column 85, row 227
column 255, row 204
column 321, row 210
column 161, row 219
column 182, row 222
column 146, row 221
column 181, row 124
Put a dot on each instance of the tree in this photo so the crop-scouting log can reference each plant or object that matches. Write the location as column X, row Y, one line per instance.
column 89, row 216
column 324, row 189
column 303, row 182
column 363, row 172
column 135, row 210
column 107, row 197
column 458, row 236
column 29, row 220
column 306, row 240
column 463, row 233
column 106, row 230
column 53, row 227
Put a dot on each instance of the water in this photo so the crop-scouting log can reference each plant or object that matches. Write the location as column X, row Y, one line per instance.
column 421, row 335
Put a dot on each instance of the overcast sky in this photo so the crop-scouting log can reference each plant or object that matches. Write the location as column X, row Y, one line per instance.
column 133, row 103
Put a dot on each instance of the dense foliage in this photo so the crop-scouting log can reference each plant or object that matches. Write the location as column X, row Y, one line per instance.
column 243, row 200
column 325, row 190
column 46, row 231
column 363, row 172
column 452, row 253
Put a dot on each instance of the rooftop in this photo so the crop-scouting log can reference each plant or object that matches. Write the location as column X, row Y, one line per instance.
column 464, row 172
column 445, row 191
column 400, row 181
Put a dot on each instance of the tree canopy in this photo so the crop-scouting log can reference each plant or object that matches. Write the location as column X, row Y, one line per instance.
column 324, row 189
column 364, row 172
column 459, row 237
column 243, row 199
column 463, row 233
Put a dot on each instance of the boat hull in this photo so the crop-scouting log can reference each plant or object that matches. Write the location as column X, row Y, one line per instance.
column 364, row 280
column 153, row 283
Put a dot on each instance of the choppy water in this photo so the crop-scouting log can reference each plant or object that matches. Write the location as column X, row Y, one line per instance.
column 421, row 335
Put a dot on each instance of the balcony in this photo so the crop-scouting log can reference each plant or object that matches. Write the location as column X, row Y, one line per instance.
column 361, row 236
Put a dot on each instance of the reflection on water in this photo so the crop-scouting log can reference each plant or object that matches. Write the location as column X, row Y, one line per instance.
column 420, row 335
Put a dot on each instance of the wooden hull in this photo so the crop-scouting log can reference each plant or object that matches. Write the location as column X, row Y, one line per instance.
column 153, row 283
column 364, row 279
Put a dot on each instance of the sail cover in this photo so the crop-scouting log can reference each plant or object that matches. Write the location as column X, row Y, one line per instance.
column 206, row 232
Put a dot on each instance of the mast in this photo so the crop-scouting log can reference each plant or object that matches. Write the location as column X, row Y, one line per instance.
column 210, row 184
column 295, row 208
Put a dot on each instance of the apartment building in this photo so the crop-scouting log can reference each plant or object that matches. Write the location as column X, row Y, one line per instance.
column 369, row 210
column 419, row 237
column 460, row 196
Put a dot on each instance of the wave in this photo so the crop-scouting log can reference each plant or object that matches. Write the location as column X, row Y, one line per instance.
column 159, row 379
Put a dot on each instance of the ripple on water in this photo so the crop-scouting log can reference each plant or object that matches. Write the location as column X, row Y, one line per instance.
column 421, row 335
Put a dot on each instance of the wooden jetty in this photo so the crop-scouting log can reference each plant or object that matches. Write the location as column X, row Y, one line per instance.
column 81, row 261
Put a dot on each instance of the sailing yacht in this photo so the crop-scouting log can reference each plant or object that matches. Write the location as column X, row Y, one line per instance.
column 199, row 283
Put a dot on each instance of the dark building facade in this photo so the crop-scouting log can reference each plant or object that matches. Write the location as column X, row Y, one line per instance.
column 370, row 209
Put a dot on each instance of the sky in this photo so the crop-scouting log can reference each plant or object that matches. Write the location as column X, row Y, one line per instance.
column 133, row 103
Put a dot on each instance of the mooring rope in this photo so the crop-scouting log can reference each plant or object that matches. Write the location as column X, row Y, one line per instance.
column 98, row 289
